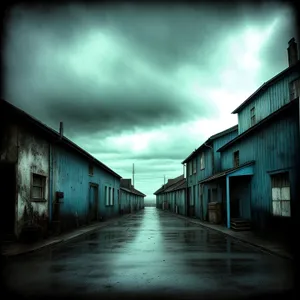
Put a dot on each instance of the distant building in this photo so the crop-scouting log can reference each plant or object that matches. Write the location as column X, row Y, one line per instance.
column 204, row 162
column 171, row 195
column 131, row 199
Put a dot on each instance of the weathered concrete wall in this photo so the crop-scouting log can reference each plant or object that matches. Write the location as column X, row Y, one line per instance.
column 33, row 157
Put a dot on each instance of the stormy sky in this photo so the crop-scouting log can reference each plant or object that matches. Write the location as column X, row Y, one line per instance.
column 141, row 84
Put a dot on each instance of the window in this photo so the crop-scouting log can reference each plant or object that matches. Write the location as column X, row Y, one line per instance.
column 109, row 196
column 202, row 165
column 38, row 187
column 113, row 197
column 252, row 114
column 194, row 166
column 294, row 89
column 281, row 198
column 236, row 159
column 106, row 196
column 91, row 170
column 190, row 167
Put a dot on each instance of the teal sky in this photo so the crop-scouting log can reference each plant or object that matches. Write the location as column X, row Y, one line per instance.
column 138, row 84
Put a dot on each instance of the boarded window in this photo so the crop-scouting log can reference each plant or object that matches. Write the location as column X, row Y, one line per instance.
column 38, row 187
column 202, row 164
column 281, row 198
column 194, row 165
column 294, row 89
column 252, row 115
column 91, row 169
column 236, row 159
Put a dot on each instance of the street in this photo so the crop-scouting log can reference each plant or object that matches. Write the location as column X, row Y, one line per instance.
column 151, row 253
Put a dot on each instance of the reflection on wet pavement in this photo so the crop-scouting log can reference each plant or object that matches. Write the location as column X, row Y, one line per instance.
column 148, row 252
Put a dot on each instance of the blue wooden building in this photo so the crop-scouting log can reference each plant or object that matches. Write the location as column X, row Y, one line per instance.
column 165, row 195
column 258, row 167
column 131, row 199
column 204, row 162
column 47, row 179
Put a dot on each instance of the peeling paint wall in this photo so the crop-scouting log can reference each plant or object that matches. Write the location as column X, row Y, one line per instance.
column 33, row 157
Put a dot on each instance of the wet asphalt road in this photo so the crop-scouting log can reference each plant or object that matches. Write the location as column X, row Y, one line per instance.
column 151, row 253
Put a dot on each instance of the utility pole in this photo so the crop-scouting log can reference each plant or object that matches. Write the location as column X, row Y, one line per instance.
column 133, row 175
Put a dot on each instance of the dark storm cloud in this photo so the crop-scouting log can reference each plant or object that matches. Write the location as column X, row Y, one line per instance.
column 46, row 47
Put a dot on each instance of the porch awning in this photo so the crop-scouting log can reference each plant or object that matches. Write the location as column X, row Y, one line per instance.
column 232, row 172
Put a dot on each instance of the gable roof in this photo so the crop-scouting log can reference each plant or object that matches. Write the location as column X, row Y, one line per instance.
column 266, row 85
column 51, row 133
column 181, row 184
column 132, row 190
column 213, row 137
column 170, row 182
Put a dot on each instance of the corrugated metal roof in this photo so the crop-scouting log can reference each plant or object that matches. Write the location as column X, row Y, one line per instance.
column 54, row 134
column 269, row 118
column 221, row 174
column 264, row 86
column 213, row 137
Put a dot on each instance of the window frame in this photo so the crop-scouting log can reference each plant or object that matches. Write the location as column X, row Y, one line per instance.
column 294, row 89
column 190, row 167
column 202, row 160
column 43, row 187
column 285, row 184
column 194, row 166
column 236, row 157
column 252, row 116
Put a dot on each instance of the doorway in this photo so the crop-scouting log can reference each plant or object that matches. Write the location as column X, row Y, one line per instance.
column 93, row 202
column 8, row 198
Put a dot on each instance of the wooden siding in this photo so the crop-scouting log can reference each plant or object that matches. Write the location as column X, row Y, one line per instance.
column 208, row 171
column 71, row 176
column 218, row 143
column 274, row 148
column 267, row 102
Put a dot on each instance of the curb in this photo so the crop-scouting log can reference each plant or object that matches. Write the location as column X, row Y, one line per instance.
column 64, row 240
column 262, row 248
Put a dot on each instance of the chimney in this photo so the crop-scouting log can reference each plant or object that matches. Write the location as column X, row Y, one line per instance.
column 292, row 52
column 61, row 129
